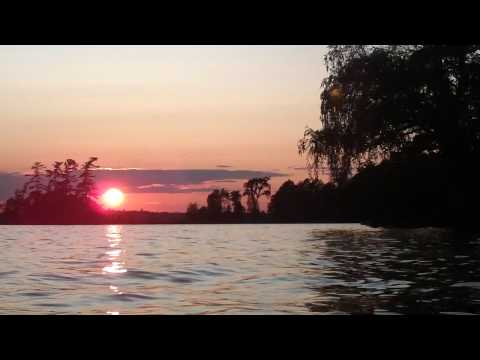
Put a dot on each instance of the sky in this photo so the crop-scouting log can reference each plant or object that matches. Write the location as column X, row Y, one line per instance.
column 212, row 108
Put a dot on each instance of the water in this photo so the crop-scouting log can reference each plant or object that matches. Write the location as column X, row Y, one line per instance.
column 237, row 269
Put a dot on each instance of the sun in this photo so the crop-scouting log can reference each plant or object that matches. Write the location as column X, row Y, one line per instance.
column 113, row 198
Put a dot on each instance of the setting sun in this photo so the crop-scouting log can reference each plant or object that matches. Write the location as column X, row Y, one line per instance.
column 113, row 198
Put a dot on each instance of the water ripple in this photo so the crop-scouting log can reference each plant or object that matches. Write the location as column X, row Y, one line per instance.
column 237, row 269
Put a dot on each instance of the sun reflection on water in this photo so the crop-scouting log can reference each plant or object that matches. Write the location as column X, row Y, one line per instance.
column 117, row 265
column 115, row 290
column 114, row 237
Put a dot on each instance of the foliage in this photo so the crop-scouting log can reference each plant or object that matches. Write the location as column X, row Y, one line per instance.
column 307, row 201
column 55, row 196
column 86, row 186
column 225, row 206
column 254, row 189
column 236, row 199
column 384, row 101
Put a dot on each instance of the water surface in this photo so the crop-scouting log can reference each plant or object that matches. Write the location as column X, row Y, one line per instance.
column 237, row 269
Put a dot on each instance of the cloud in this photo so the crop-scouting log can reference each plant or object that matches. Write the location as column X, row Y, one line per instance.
column 174, row 181
column 297, row 168
column 225, row 181
column 152, row 181
column 182, row 176
column 171, row 189
column 223, row 166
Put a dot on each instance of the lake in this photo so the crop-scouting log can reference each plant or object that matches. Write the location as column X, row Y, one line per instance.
column 237, row 269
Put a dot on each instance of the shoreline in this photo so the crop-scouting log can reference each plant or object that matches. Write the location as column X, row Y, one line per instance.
column 390, row 227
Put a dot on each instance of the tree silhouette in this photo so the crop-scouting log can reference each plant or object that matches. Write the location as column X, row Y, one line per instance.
column 306, row 201
column 69, row 174
column 34, row 187
column 283, row 203
column 404, row 120
column 253, row 190
column 192, row 210
column 218, row 203
column 55, row 176
column 214, row 203
column 236, row 199
column 225, row 200
column 384, row 101
column 86, row 185
column 62, row 200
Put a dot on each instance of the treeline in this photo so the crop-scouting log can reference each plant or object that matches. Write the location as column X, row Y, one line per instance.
column 141, row 217
column 225, row 206
column 418, row 191
column 63, row 194
column 66, row 194
column 398, row 192
column 310, row 200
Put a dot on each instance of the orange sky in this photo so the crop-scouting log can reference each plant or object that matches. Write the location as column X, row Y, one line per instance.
column 159, row 107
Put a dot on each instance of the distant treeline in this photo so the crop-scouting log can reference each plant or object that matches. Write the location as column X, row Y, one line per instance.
column 395, row 192
column 142, row 217
column 398, row 192
column 225, row 206
column 307, row 201
column 63, row 194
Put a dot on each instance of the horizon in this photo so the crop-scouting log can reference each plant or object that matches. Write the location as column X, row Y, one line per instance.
column 160, row 107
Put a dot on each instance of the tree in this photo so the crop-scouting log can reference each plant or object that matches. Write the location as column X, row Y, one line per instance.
column 236, row 199
column 70, row 168
column 214, row 203
column 34, row 187
column 282, row 205
column 225, row 200
column 253, row 190
column 86, row 186
column 381, row 102
column 55, row 176
column 218, row 202
column 62, row 201
column 304, row 201
column 192, row 211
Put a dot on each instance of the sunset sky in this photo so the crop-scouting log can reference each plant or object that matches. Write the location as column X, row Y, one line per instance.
column 213, row 108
